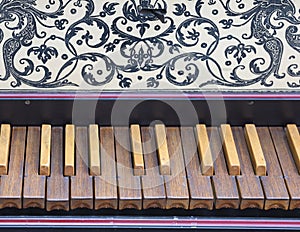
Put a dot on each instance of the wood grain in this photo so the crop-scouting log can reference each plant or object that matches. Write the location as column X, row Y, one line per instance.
column 137, row 150
column 230, row 152
column 94, row 150
column 255, row 149
column 162, row 148
column 276, row 193
column 294, row 142
column 154, row 195
column 106, row 192
column 11, row 184
column 34, row 188
column 250, row 189
column 129, row 186
column 224, row 185
column 69, row 163
column 4, row 148
column 45, row 150
column 82, row 182
column 176, row 184
column 200, row 188
column 288, row 166
column 58, row 185
column 207, row 164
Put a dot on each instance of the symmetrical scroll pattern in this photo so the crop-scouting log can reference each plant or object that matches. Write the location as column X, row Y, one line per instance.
column 198, row 44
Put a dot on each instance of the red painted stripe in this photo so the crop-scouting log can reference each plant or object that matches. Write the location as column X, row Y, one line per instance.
column 147, row 96
column 155, row 222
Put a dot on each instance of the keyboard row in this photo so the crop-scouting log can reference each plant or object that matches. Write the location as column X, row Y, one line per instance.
column 144, row 167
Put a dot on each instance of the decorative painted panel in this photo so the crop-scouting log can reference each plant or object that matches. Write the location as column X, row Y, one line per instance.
column 150, row 45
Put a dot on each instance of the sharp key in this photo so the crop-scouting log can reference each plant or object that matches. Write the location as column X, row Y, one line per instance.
column 94, row 150
column 207, row 164
column 257, row 155
column 69, row 166
column 137, row 150
column 45, row 150
column 294, row 142
column 34, row 189
column 11, row 184
column 162, row 148
column 4, row 146
column 200, row 197
column 231, row 155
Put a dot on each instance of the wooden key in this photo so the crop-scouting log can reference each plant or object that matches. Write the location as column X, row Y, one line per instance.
column 276, row 193
column 11, row 184
column 4, row 146
column 106, row 192
column 207, row 164
column 225, row 188
column 45, row 150
column 58, row 190
column 129, row 186
column 231, row 155
column 137, row 150
column 294, row 142
column 288, row 166
column 154, row 195
column 94, row 160
column 201, row 193
column 255, row 149
column 82, row 182
column 162, row 148
column 250, row 189
column 34, row 189
column 176, row 184
column 69, row 167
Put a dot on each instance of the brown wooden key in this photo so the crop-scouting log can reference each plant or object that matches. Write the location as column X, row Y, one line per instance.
column 200, row 188
column 106, row 192
column 251, row 192
column 154, row 195
column 225, row 188
column 176, row 184
column 34, row 189
column 129, row 185
column 288, row 165
column 58, row 190
column 82, row 182
column 276, row 193
column 11, row 184
column 4, row 148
